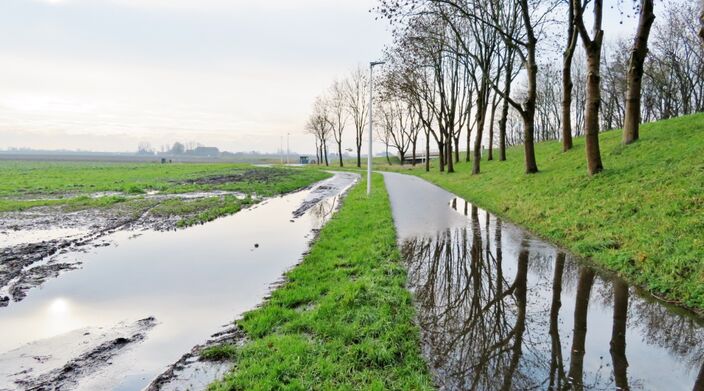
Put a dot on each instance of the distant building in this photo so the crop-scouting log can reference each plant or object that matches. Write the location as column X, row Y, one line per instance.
column 205, row 151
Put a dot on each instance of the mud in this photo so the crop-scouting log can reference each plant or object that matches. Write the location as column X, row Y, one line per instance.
column 192, row 371
column 254, row 175
column 157, row 273
column 60, row 362
column 32, row 239
column 338, row 185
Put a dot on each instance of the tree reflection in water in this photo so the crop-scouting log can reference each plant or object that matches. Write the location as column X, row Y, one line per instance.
column 489, row 311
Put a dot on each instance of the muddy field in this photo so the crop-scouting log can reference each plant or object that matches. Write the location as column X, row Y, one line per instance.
column 32, row 238
column 136, row 303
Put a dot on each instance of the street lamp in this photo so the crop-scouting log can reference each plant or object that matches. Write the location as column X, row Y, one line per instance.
column 371, row 98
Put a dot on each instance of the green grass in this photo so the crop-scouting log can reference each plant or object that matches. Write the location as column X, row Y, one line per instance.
column 643, row 217
column 70, row 185
column 343, row 320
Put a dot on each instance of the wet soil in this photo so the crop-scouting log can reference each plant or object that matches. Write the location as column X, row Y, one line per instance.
column 192, row 371
column 61, row 362
column 253, row 175
column 24, row 266
column 191, row 280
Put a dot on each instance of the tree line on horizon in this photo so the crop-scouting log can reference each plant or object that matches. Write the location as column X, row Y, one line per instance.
column 490, row 74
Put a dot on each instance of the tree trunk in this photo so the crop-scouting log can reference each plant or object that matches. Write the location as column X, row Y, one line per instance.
column 529, row 112
column 556, row 360
column 317, row 153
column 504, row 109
column 490, row 156
column 469, row 143
column 591, row 116
column 339, row 151
column 635, row 72
column 448, row 147
column 325, row 152
column 701, row 20
column 618, row 335
column 457, row 149
column 502, row 129
column 441, row 154
column 427, row 151
column 481, row 114
column 581, row 307
column 413, row 151
column 567, row 84
column 359, row 156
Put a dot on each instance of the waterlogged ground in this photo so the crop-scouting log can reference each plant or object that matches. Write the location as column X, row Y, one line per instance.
column 139, row 300
column 50, row 209
column 500, row 309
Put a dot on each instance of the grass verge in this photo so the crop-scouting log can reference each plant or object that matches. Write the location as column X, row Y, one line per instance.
column 643, row 217
column 343, row 320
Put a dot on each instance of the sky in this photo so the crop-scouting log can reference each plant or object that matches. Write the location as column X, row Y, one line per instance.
column 106, row 75
column 237, row 74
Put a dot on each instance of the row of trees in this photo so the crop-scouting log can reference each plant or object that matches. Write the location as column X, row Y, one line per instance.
column 178, row 148
column 672, row 82
column 344, row 105
column 481, row 74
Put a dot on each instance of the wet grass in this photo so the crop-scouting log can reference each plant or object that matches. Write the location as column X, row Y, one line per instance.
column 74, row 185
column 200, row 210
column 343, row 320
column 643, row 217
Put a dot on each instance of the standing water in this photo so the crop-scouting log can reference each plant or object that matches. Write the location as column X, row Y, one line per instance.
column 138, row 305
column 500, row 309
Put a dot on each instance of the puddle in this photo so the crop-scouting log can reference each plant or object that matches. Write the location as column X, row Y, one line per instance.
column 192, row 282
column 9, row 238
column 499, row 308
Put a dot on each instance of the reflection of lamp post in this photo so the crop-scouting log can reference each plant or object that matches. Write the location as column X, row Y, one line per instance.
column 371, row 98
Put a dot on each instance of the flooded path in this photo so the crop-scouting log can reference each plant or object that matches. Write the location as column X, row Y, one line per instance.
column 136, row 306
column 501, row 309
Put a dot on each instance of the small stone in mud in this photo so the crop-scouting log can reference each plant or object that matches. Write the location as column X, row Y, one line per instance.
column 4, row 301
column 256, row 245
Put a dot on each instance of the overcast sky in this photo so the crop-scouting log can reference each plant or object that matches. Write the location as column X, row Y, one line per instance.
column 237, row 74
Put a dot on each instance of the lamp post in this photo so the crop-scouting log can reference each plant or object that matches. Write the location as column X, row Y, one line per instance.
column 371, row 103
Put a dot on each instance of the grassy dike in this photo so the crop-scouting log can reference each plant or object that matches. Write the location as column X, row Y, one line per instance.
column 643, row 217
column 343, row 320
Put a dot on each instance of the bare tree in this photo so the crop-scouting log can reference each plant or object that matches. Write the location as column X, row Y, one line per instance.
column 635, row 72
column 356, row 88
column 337, row 107
column 567, row 84
column 592, row 48
column 319, row 126
column 145, row 148
column 396, row 123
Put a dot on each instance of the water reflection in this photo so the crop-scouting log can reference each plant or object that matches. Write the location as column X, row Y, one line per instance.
column 500, row 310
